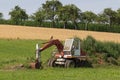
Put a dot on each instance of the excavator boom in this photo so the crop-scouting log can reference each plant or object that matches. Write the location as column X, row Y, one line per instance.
column 55, row 42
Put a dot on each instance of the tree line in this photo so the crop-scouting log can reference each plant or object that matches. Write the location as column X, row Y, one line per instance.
column 54, row 14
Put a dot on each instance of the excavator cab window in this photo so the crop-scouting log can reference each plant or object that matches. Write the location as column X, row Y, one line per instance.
column 72, row 47
column 76, row 50
column 68, row 46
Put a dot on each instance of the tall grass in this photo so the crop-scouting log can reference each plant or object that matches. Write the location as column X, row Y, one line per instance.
column 109, row 51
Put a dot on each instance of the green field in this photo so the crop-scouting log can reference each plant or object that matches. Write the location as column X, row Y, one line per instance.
column 62, row 74
column 15, row 52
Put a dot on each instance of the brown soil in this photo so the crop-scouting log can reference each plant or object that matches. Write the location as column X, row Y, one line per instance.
column 24, row 32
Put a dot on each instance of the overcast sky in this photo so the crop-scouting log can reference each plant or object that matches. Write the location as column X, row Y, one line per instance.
column 32, row 6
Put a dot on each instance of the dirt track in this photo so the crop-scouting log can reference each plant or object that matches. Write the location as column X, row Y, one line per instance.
column 23, row 32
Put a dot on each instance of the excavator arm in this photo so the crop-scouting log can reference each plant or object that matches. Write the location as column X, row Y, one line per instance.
column 55, row 42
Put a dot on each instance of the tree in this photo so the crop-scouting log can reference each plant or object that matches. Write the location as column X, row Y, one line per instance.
column 102, row 19
column 69, row 13
column 111, row 15
column 74, row 14
column 39, row 16
column 51, row 9
column 18, row 15
column 1, row 16
column 88, row 17
column 63, row 15
column 118, row 16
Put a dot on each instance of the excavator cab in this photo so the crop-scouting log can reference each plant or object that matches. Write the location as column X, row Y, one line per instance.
column 71, row 48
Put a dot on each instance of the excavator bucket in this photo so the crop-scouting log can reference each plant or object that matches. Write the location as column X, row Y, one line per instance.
column 37, row 63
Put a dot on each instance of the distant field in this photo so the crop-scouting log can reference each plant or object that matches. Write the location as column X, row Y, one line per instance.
column 23, row 32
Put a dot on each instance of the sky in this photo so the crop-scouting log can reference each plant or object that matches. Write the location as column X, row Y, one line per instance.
column 31, row 6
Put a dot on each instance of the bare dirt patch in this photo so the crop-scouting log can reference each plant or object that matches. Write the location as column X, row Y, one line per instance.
column 24, row 32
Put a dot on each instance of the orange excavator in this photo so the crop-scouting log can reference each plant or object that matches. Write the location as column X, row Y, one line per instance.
column 69, row 55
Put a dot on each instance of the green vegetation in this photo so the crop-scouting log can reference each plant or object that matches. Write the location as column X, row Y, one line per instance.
column 109, row 52
column 62, row 74
column 1, row 15
column 18, row 15
column 16, row 52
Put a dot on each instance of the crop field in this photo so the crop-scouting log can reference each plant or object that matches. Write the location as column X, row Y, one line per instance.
column 23, row 32
column 16, row 52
